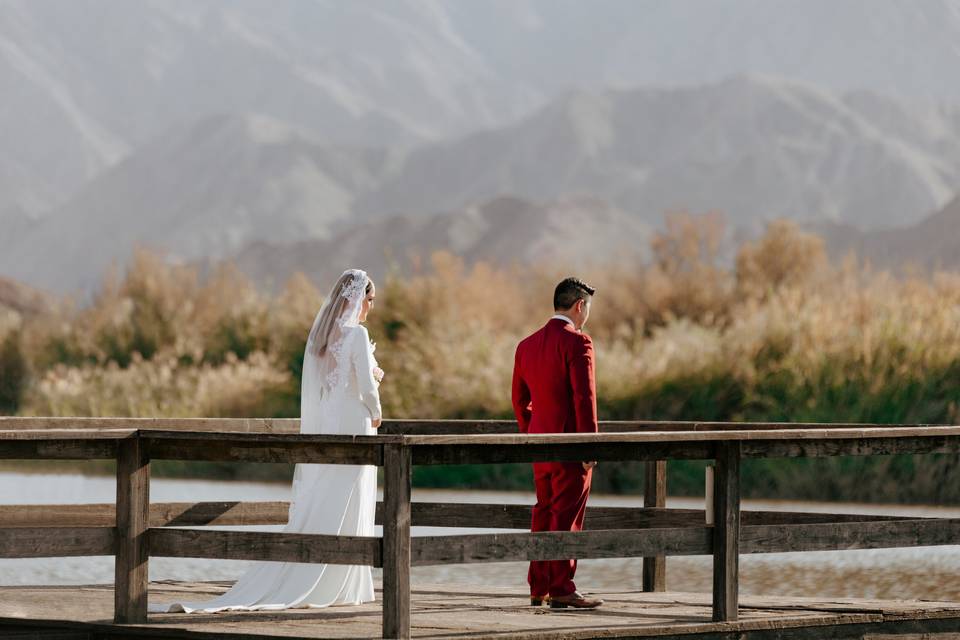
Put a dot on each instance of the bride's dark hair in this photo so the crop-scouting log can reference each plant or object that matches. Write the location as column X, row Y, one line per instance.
column 333, row 307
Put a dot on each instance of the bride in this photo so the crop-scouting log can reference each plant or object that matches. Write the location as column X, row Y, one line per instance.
column 338, row 396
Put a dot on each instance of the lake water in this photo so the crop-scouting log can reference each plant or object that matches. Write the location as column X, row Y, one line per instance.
column 921, row 572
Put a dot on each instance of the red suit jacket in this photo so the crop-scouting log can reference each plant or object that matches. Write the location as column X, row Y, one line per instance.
column 553, row 381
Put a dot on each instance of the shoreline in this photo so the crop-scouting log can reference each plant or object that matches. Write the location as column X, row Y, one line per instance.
column 104, row 470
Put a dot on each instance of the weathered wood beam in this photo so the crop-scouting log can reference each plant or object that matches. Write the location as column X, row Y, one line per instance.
column 517, row 516
column 470, row 451
column 397, row 475
column 240, row 425
column 849, row 535
column 904, row 443
column 558, row 545
column 646, row 446
column 546, row 451
column 239, row 447
column 259, row 545
column 509, row 427
column 183, row 514
column 652, row 437
column 423, row 514
column 163, row 514
column 655, row 497
column 132, row 517
column 63, row 449
column 33, row 542
column 808, row 517
column 59, row 542
column 615, row 444
column 726, row 532
column 395, row 427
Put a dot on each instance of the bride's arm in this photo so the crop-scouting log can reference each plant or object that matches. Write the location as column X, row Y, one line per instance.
column 363, row 364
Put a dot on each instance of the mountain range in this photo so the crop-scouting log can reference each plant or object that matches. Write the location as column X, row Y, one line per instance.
column 202, row 127
column 87, row 81
column 505, row 231
column 931, row 244
column 577, row 232
column 755, row 148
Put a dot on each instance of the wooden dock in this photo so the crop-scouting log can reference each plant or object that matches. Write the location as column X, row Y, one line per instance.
column 133, row 529
column 467, row 612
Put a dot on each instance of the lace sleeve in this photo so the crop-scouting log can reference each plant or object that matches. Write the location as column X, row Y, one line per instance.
column 363, row 365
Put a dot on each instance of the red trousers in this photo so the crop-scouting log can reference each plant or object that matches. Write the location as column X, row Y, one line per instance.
column 562, row 490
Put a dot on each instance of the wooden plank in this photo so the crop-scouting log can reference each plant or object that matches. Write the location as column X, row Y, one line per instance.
column 56, row 542
column 185, row 514
column 708, row 483
column 478, row 612
column 67, row 434
column 559, row 545
column 690, row 436
column 266, row 448
column 223, row 448
column 60, row 449
column 494, row 452
column 613, row 426
column 655, row 497
column 548, row 451
column 448, row 427
column 517, row 516
column 164, row 514
column 396, row 427
column 397, row 474
column 901, row 443
column 758, row 441
column 471, row 452
column 850, row 535
column 726, row 532
column 423, row 514
column 808, row 517
column 132, row 517
column 267, row 438
column 241, row 425
column 260, row 545
column 59, row 515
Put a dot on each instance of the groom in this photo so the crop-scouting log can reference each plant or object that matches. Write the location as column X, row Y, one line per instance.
column 554, row 392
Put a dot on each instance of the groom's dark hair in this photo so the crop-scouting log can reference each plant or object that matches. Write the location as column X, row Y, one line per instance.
column 569, row 291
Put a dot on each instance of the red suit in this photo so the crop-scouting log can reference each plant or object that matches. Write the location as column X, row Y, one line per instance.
column 554, row 392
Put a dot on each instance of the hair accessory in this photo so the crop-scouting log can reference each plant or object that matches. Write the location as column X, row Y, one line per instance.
column 357, row 286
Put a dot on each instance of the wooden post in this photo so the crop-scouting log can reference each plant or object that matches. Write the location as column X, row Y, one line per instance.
column 726, row 532
column 133, row 513
column 708, row 495
column 655, row 495
column 397, row 470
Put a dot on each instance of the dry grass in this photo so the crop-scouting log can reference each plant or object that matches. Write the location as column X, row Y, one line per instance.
column 782, row 335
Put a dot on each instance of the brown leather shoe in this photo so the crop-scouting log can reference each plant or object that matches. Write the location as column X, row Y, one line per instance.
column 536, row 601
column 575, row 600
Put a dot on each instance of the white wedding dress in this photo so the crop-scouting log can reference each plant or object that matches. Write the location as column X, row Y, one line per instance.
column 339, row 396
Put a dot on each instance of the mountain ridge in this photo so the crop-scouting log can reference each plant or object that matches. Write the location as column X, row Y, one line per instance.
column 754, row 148
column 931, row 244
column 504, row 231
column 84, row 87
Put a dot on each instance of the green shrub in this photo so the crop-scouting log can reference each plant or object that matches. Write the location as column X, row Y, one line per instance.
column 13, row 373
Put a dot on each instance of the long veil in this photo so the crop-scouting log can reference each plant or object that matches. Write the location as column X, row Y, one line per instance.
column 326, row 499
column 326, row 361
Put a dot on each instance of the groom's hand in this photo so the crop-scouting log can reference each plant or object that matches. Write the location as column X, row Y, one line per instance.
column 376, row 423
column 589, row 465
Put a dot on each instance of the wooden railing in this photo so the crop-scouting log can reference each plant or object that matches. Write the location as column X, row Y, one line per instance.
column 133, row 529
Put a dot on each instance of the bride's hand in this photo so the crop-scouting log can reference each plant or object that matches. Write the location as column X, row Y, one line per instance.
column 376, row 422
